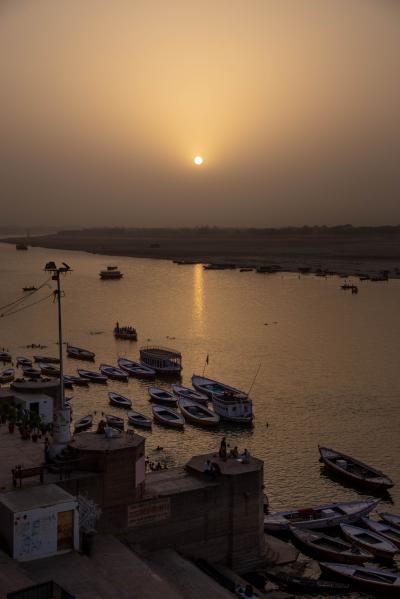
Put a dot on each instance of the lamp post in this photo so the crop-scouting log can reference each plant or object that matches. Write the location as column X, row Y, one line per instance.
column 62, row 413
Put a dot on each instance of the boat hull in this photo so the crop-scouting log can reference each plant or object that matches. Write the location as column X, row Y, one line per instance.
column 161, row 418
column 308, row 542
column 355, row 576
column 376, row 548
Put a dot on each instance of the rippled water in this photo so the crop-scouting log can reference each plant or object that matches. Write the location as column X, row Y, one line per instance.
column 329, row 360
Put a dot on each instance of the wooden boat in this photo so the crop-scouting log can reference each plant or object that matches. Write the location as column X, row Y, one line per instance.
column 161, row 396
column 7, row 375
column 229, row 403
column 354, row 471
column 372, row 580
column 119, row 400
column 392, row 519
column 136, row 369
column 111, row 372
column 329, row 548
column 189, row 393
column 79, row 353
column 5, row 356
column 385, row 530
column 67, row 384
column 112, row 272
column 79, row 381
column 323, row 516
column 114, row 421
column 46, row 359
column 49, row 369
column 197, row 413
column 138, row 419
column 29, row 288
column 161, row 359
column 371, row 541
column 305, row 585
column 168, row 416
column 31, row 373
column 24, row 362
column 129, row 333
column 93, row 377
column 83, row 423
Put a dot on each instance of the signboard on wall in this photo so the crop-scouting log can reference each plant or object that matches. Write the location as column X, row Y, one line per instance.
column 147, row 512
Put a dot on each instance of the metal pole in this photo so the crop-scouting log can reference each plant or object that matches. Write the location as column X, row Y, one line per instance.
column 60, row 341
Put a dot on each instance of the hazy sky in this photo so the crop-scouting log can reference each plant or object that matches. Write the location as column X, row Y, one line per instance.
column 294, row 105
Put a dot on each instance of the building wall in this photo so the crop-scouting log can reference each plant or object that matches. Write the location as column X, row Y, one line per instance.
column 35, row 531
column 45, row 407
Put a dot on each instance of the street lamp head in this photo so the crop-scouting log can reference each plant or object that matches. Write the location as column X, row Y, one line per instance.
column 50, row 266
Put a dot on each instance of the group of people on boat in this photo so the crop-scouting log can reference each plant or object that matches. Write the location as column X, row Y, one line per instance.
column 127, row 330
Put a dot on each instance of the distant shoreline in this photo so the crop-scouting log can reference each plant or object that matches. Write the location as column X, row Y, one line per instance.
column 339, row 250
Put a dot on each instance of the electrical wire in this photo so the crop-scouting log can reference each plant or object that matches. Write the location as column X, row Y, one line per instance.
column 25, row 296
column 42, row 299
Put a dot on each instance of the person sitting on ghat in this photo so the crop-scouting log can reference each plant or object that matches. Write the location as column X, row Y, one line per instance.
column 215, row 469
column 234, row 453
column 101, row 427
column 246, row 457
column 222, row 449
column 207, row 467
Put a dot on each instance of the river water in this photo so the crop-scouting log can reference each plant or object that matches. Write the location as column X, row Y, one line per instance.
column 329, row 360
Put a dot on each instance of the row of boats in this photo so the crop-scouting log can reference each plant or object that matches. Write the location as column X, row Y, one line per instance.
column 362, row 539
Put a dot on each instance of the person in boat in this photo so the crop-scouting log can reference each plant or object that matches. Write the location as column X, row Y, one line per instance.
column 234, row 453
column 222, row 449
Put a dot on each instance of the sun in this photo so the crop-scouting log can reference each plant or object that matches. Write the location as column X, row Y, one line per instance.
column 198, row 160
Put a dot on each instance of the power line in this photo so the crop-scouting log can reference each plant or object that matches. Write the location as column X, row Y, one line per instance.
column 28, row 306
column 25, row 296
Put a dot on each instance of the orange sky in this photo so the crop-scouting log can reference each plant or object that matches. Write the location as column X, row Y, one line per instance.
column 293, row 104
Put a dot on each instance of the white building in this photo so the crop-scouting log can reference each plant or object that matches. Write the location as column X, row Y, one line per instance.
column 38, row 522
column 38, row 403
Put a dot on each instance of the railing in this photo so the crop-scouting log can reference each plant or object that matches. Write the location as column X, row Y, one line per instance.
column 44, row 590
column 160, row 348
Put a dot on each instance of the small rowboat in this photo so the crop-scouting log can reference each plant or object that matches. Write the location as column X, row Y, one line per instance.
column 93, row 377
column 7, row 375
column 392, row 519
column 197, row 413
column 31, row 373
column 189, row 393
column 372, row 542
column 67, row 383
column 329, row 548
column 168, row 417
column 111, row 372
column 79, row 381
column 385, row 530
column 136, row 369
column 303, row 585
column 83, row 423
column 29, row 288
column 24, row 362
column 5, row 356
column 49, row 369
column 372, row 580
column 119, row 400
column 323, row 516
column 79, row 353
column 161, row 396
column 114, row 421
column 46, row 359
column 138, row 419
column 354, row 471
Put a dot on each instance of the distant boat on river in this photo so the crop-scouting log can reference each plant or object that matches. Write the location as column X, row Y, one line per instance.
column 79, row 353
column 229, row 403
column 111, row 272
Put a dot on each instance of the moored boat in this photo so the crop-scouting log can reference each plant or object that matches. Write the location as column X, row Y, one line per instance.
column 24, row 362
column 111, row 372
column 79, row 353
column 162, row 396
column 138, row 419
column 114, row 421
column 31, row 373
column 229, row 403
column 93, row 377
column 392, row 519
column 329, row 548
column 385, row 530
column 354, row 471
column 302, row 584
column 136, row 369
column 29, row 288
column 79, row 381
column 161, row 359
column 83, row 423
column 323, row 516
column 189, row 393
column 49, row 369
column 46, row 359
column 111, row 272
column 371, row 541
column 197, row 413
column 168, row 416
column 372, row 580
column 119, row 400
column 7, row 375
column 5, row 356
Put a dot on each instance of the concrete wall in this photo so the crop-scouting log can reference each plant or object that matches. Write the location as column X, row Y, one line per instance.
column 35, row 531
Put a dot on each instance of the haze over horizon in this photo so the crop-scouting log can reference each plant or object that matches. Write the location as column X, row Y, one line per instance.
column 293, row 105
